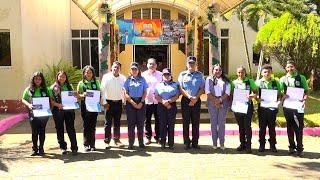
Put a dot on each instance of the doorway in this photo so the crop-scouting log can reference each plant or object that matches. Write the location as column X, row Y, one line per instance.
column 159, row 52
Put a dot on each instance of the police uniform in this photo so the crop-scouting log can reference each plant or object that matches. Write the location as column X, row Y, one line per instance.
column 294, row 117
column 244, row 120
column 38, row 124
column 61, row 116
column 135, row 88
column 89, row 118
column 167, row 90
column 267, row 116
column 191, row 82
column 217, row 88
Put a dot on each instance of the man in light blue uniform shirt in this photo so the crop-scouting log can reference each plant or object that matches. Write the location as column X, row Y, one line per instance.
column 191, row 87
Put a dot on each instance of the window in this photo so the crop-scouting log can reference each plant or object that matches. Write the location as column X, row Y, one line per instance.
column 85, row 49
column 224, row 32
column 225, row 50
column 146, row 13
column 165, row 14
column 5, row 51
column 182, row 17
column 136, row 14
column 155, row 13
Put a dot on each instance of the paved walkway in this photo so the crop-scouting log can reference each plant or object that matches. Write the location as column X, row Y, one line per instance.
column 206, row 163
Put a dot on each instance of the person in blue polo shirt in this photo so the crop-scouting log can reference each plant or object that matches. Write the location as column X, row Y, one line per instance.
column 167, row 92
column 135, row 93
column 191, row 87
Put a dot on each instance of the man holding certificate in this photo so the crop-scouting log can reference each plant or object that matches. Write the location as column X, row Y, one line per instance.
column 269, row 96
column 244, row 90
column 295, row 88
column 64, row 100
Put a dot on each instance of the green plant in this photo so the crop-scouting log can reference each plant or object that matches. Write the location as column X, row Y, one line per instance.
column 50, row 72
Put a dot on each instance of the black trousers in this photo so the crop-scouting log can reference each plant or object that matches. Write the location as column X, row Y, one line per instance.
column 295, row 125
column 135, row 119
column 190, row 114
column 89, row 126
column 152, row 109
column 38, row 128
column 267, row 118
column 167, row 119
column 245, row 130
column 113, row 116
column 61, row 118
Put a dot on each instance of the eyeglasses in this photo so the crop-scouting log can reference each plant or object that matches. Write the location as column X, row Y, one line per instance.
column 192, row 58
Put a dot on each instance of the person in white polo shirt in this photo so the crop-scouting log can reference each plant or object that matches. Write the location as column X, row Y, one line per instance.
column 111, row 89
column 153, row 77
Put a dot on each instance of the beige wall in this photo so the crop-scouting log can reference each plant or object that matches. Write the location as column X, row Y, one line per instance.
column 237, row 54
column 46, row 35
column 79, row 20
column 177, row 57
column 11, row 77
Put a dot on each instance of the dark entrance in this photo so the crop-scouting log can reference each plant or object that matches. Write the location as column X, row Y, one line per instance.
column 160, row 52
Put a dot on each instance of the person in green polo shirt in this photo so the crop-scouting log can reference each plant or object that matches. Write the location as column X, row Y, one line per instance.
column 89, row 82
column 61, row 116
column 244, row 119
column 37, row 88
column 294, row 117
column 267, row 115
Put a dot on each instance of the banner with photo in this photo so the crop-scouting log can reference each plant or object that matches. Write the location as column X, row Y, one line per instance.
column 151, row 31
column 126, row 31
column 173, row 32
column 147, row 31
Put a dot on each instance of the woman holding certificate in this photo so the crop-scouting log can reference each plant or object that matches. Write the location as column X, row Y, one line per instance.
column 295, row 89
column 244, row 90
column 36, row 89
column 135, row 93
column 88, row 88
column 269, row 96
column 217, row 89
column 62, row 114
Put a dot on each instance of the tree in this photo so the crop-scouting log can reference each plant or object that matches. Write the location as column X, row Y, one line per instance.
column 297, row 39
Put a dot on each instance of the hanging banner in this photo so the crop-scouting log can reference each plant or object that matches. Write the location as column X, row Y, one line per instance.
column 126, row 31
column 147, row 31
column 173, row 32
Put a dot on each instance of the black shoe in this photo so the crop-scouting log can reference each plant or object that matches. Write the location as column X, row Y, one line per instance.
column 300, row 153
column 157, row 140
column 163, row 145
column 148, row 142
column 64, row 151
column 241, row 148
column 34, row 153
column 93, row 149
column 273, row 148
column 248, row 150
column 41, row 152
column 74, row 152
column 195, row 146
column 142, row 146
column 87, row 148
column 291, row 151
column 171, row 147
column 262, row 148
column 130, row 147
column 187, row 147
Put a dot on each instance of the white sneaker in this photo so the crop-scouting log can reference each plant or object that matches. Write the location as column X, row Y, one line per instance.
column 222, row 147
column 214, row 147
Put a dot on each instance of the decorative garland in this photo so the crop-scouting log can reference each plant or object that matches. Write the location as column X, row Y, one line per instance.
column 214, row 40
column 200, row 43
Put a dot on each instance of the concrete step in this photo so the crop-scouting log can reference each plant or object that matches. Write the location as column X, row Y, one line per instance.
column 204, row 118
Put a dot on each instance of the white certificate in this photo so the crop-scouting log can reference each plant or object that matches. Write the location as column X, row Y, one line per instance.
column 69, row 101
column 41, row 107
column 269, row 98
column 294, row 99
column 240, row 99
column 93, row 101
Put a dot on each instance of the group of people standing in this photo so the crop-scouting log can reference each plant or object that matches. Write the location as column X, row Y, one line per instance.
column 155, row 93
